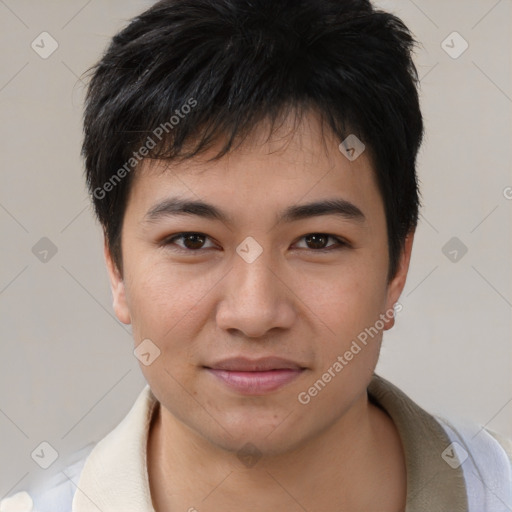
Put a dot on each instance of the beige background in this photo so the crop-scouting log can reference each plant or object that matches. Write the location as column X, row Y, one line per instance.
column 67, row 372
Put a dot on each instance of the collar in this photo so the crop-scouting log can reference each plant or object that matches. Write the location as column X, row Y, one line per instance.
column 431, row 483
column 115, row 475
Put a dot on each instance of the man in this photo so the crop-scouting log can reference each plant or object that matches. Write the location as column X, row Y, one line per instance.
column 252, row 164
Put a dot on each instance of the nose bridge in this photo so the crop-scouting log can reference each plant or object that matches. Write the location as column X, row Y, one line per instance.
column 255, row 278
column 253, row 281
column 255, row 300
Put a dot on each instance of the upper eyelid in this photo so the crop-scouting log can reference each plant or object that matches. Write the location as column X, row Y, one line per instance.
column 171, row 238
column 339, row 240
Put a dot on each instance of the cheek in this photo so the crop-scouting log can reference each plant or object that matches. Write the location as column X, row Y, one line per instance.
column 346, row 299
column 167, row 304
column 347, row 309
column 164, row 309
column 153, row 302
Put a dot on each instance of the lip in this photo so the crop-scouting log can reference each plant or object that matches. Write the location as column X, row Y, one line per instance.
column 255, row 376
column 244, row 364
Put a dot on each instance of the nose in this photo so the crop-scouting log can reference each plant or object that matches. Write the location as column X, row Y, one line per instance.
column 255, row 299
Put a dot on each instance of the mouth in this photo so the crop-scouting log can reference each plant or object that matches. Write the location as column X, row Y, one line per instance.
column 255, row 377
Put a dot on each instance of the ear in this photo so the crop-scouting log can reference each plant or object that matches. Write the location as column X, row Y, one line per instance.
column 117, row 287
column 396, row 285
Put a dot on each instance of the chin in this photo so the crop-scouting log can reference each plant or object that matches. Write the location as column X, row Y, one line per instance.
column 254, row 444
column 268, row 434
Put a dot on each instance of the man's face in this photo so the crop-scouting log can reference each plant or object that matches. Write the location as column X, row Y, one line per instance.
column 212, row 296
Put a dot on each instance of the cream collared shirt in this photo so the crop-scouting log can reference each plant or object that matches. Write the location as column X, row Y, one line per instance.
column 449, row 469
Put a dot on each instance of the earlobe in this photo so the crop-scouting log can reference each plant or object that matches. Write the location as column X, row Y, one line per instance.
column 117, row 287
column 397, row 284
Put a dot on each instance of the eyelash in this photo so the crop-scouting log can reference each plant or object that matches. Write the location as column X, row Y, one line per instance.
column 340, row 243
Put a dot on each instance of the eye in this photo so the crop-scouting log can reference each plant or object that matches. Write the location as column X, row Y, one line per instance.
column 318, row 241
column 194, row 242
column 191, row 241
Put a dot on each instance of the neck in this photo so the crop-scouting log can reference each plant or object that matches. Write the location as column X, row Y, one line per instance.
column 333, row 471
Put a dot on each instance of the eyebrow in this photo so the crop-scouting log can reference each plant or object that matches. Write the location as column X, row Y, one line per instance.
column 176, row 206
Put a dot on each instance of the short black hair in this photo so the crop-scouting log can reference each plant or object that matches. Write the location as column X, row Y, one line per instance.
column 186, row 72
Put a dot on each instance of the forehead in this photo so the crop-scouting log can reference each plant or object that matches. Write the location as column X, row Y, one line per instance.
column 297, row 163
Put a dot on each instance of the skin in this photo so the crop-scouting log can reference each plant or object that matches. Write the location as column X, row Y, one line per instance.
column 294, row 301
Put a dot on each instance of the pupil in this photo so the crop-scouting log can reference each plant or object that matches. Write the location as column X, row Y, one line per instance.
column 317, row 240
column 196, row 241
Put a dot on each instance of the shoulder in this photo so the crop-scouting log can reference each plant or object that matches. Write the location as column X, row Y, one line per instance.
column 486, row 460
column 484, row 445
column 53, row 495
column 504, row 442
